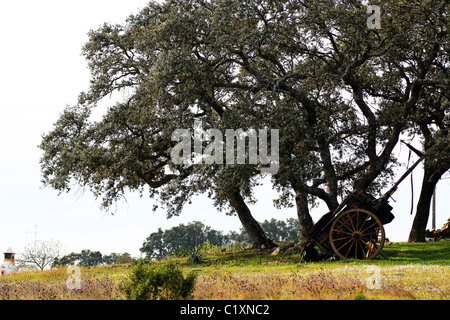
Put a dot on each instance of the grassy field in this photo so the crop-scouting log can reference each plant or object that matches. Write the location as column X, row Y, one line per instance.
column 412, row 271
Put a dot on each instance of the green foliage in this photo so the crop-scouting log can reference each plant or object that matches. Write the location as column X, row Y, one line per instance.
column 181, row 239
column 360, row 296
column 207, row 246
column 166, row 282
column 88, row 258
column 184, row 240
column 195, row 256
column 279, row 230
column 341, row 93
column 426, row 252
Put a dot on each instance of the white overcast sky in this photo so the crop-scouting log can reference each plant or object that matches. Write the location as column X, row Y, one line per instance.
column 42, row 71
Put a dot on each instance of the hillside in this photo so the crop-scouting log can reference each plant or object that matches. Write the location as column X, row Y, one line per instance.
column 412, row 271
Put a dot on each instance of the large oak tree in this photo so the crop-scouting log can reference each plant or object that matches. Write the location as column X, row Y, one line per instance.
column 340, row 93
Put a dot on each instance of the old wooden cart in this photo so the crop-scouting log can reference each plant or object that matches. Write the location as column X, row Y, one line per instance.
column 355, row 228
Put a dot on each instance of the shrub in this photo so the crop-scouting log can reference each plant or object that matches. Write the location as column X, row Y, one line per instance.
column 195, row 256
column 147, row 282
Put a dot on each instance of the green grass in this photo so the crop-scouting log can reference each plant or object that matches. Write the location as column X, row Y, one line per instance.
column 395, row 253
column 412, row 271
column 427, row 253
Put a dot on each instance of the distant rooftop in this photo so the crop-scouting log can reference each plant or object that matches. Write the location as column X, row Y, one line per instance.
column 9, row 250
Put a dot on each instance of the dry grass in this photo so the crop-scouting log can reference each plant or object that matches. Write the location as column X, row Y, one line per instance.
column 91, row 289
column 267, row 286
column 348, row 283
column 242, row 276
column 52, row 285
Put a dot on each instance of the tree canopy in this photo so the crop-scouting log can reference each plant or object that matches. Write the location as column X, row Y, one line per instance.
column 88, row 258
column 340, row 93
column 195, row 235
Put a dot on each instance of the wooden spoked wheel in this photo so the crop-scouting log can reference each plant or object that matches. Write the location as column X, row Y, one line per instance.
column 358, row 234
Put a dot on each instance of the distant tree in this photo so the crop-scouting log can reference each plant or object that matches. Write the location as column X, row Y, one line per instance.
column 41, row 254
column 67, row 260
column 280, row 230
column 154, row 246
column 117, row 258
column 124, row 258
column 216, row 238
column 161, row 243
column 189, row 236
column 88, row 258
column 184, row 236
column 239, row 237
column 111, row 258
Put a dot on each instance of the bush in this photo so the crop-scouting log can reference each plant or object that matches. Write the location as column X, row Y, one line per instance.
column 167, row 282
column 195, row 256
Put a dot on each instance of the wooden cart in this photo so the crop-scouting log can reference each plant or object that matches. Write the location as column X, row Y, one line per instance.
column 355, row 228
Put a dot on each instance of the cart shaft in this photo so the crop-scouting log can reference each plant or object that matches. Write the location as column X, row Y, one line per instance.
column 403, row 177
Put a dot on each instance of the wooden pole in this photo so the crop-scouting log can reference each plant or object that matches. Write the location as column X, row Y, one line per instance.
column 433, row 211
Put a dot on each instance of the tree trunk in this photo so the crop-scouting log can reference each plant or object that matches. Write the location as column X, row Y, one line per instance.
column 301, row 201
column 430, row 179
column 435, row 165
column 251, row 226
column 304, row 218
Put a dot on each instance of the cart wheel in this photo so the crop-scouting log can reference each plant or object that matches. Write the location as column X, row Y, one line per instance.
column 357, row 233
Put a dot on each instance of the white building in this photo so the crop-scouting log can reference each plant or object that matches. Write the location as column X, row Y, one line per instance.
column 9, row 263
